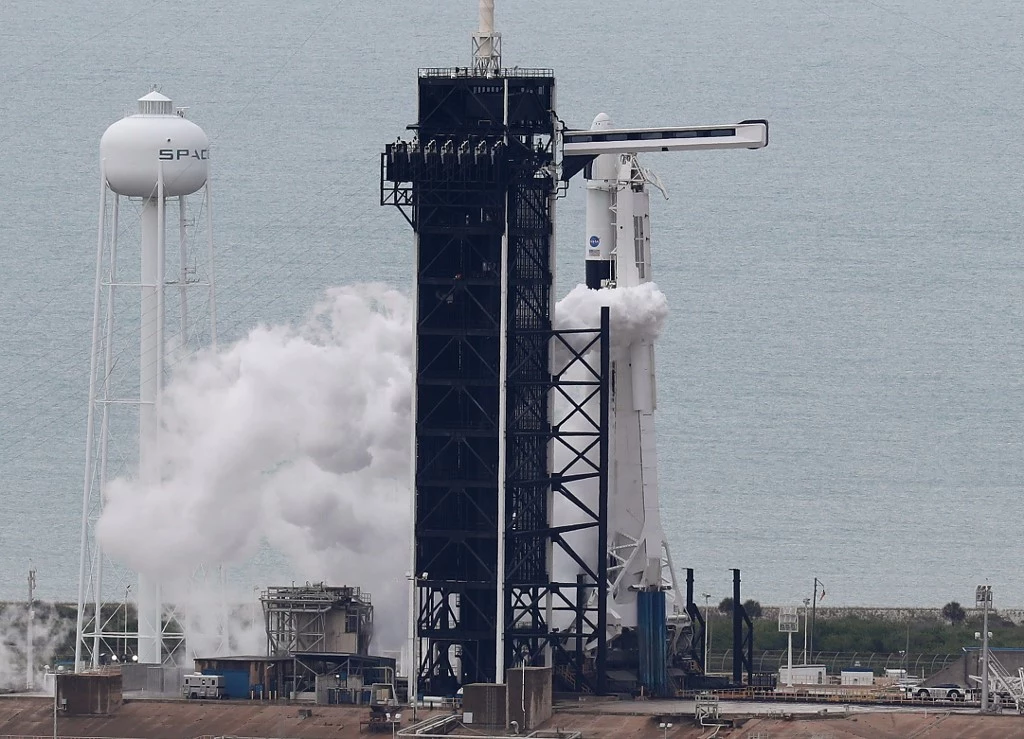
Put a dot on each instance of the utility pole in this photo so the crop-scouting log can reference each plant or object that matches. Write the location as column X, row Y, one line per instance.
column 814, row 608
column 807, row 603
column 56, row 693
column 707, row 629
column 30, row 680
column 906, row 653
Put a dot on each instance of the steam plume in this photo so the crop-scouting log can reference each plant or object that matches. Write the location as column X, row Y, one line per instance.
column 299, row 436
column 296, row 436
column 635, row 313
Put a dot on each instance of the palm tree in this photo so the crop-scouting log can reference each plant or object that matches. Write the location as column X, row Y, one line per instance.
column 954, row 613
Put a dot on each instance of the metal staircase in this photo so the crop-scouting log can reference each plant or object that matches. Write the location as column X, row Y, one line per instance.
column 1004, row 685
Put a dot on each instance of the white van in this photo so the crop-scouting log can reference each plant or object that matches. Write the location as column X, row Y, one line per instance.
column 203, row 686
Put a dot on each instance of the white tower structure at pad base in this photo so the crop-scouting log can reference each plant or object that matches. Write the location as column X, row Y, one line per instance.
column 149, row 163
column 618, row 256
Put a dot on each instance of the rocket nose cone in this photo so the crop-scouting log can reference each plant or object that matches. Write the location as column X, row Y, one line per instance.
column 601, row 121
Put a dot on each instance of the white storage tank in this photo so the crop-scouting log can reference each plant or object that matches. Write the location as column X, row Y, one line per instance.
column 153, row 143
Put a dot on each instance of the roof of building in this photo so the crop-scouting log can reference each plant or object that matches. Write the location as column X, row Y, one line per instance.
column 246, row 658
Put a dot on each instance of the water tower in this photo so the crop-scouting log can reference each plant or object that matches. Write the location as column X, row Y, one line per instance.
column 149, row 163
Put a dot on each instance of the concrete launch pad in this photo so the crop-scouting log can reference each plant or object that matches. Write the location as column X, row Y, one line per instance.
column 145, row 719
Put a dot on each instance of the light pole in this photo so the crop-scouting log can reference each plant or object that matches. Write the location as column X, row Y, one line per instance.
column 983, row 598
column 413, row 679
column 29, row 638
column 789, row 621
column 55, row 704
column 906, row 654
column 807, row 603
column 124, row 648
column 707, row 628
column 664, row 728
column 814, row 608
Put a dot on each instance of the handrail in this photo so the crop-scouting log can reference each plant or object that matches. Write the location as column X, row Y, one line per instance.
column 473, row 72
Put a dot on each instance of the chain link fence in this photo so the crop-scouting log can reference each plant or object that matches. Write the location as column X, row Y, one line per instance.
column 918, row 665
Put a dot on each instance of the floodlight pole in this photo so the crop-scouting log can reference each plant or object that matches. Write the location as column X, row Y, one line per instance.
column 789, row 662
column 29, row 637
column 983, row 597
column 790, row 659
column 789, row 621
column 984, row 653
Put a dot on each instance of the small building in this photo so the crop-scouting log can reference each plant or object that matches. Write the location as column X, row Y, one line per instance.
column 528, row 697
column 312, row 676
column 485, row 704
column 317, row 618
column 856, row 676
column 92, row 693
column 804, row 675
column 152, row 680
column 522, row 703
column 250, row 678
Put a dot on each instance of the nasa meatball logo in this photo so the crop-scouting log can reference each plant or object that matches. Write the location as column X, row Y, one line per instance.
column 595, row 242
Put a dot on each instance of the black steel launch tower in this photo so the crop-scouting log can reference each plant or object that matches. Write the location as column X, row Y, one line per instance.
column 477, row 183
column 496, row 509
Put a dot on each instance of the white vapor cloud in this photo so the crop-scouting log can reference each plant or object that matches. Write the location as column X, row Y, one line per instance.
column 635, row 313
column 298, row 436
column 49, row 632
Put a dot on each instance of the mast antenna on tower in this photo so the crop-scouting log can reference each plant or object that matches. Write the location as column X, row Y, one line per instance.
column 486, row 42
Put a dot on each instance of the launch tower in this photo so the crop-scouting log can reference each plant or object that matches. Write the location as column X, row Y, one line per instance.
column 477, row 183
column 494, row 507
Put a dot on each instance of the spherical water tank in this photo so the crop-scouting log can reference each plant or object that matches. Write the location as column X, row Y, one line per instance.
column 137, row 149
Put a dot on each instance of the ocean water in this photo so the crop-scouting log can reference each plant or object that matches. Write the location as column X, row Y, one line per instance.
column 840, row 390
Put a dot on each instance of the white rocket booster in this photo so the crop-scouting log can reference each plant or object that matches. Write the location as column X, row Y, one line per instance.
column 619, row 257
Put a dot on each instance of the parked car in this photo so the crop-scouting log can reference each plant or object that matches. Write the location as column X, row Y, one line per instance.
column 944, row 691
